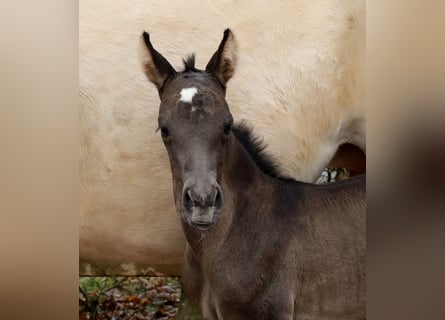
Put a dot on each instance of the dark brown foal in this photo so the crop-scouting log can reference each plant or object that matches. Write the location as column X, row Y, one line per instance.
column 259, row 246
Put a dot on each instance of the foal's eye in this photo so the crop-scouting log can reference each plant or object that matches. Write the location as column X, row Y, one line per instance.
column 164, row 132
column 227, row 128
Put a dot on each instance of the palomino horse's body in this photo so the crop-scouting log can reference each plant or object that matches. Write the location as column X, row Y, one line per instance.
column 299, row 84
column 258, row 246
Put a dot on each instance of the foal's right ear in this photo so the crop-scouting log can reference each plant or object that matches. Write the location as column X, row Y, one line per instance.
column 156, row 67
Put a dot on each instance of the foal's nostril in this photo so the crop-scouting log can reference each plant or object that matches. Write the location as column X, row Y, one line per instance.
column 189, row 196
column 217, row 198
column 191, row 199
column 188, row 199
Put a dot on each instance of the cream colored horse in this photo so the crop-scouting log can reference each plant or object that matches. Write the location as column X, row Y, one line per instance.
column 299, row 83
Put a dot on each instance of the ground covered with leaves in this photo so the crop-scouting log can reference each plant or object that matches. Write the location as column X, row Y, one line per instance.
column 124, row 298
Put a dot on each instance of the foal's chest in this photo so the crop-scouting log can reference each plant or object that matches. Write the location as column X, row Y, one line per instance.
column 246, row 291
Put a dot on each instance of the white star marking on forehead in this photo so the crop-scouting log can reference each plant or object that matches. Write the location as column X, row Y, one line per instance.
column 187, row 94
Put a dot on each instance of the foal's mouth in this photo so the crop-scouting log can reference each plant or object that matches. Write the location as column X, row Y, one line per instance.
column 202, row 223
column 202, row 226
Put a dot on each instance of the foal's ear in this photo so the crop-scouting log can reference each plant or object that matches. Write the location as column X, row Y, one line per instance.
column 156, row 67
column 223, row 61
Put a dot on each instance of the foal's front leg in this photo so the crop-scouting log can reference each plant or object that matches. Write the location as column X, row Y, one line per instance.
column 238, row 316
column 192, row 279
column 261, row 312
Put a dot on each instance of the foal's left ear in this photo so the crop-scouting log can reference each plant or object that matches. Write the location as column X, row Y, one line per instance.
column 156, row 67
column 223, row 62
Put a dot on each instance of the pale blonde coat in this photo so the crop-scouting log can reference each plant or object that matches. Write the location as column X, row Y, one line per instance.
column 299, row 81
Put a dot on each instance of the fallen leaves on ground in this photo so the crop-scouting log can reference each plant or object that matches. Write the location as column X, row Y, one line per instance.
column 122, row 298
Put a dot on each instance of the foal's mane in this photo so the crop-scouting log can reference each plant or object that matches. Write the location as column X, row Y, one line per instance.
column 255, row 148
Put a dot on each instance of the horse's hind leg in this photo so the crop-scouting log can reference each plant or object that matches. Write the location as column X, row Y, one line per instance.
column 350, row 157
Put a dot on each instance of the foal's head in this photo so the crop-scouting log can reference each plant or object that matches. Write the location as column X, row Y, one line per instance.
column 195, row 124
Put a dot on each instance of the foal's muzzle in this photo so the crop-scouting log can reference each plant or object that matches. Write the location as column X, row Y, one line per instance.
column 202, row 205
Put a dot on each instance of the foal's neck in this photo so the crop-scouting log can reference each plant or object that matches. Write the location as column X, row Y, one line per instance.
column 240, row 172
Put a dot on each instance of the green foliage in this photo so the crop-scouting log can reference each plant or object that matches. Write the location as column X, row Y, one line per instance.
column 98, row 284
column 128, row 298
